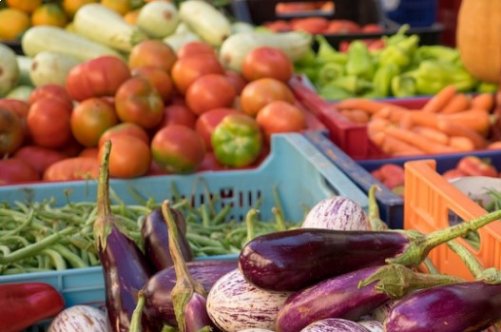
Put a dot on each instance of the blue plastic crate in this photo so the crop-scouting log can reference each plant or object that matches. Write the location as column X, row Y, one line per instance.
column 417, row 13
column 301, row 172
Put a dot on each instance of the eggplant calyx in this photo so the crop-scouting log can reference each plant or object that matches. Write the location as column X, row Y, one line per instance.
column 396, row 280
column 104, row 221
column 490, row 276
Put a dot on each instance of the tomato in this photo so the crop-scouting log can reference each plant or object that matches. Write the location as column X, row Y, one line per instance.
column 49, row 122
column 178, row 114
column 313, row 25
column 76, row 168
column 16, row 171
column 343, row 27
column 50, row 91
column 126, row 128
column 98, row 77
column 186, row 70
column 178, row 149
column 152, row 53
column 195, row 48
column 90, row 119
column 236, row 79
column 278, row 26
column 12, row 131
column 157, row 77
column 138, row 102
column 89, row 153
column 209, row 92
column 279, row 117
column 210, row 163
column 156, row 169
column 38, row 158
column 259, row 93
column 130, row 157
column 207, row 122
column 267, row 61
column 17, row 106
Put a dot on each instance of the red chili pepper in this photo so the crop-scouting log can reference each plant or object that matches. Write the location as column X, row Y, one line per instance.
column 24, row 304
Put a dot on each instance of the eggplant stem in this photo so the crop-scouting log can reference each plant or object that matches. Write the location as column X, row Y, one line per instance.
column 135, row 322
column 102, row 226
column 374, row 216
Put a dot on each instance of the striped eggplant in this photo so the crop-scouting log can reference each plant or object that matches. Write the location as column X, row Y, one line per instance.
column 352, row 295
column 295, row 259
column 234, row 304
column 335, row 325
column 158, row 310
column 372, row 325
column 337, row 212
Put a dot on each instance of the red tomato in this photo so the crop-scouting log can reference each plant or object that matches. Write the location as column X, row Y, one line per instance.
column 236, row 79
column 16, row 171
column 210, row 163
column 138, row 102
column 343, row 27
column 178, row 149
column 278, row 26
column 209, row 92
column 178, row 114
column 207, row 122
column 89, row 153
column 50, row 91
column 313, row 25
column 152, row 53
column 260, row 93
column 98, row 77
column 90, row 119
column 19, row 107
column 49, row 122
column 126, row 128
column 76, row 168
column 372, row 28
column 157, row 77
column 195, row 48
column 267, row 61
column 279, row 117
column 186, row 70
column 12, row 131
column 39, row 158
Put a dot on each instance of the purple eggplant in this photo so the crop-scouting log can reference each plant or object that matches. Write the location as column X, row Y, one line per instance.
column 295, row 259
column 156, row 239
column 352, row 295
column 125, row 268
column 468, row 306
column 158, row 309
column 335, row 325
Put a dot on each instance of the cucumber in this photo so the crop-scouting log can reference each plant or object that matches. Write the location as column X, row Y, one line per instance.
column 9, row 69
column 51, row 68
column 235, row 48
column 158, row 19
column 24, row 64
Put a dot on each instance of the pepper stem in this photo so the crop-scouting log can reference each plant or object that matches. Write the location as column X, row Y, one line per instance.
column 396, row 280
column 420, row 245
column 185, row 285
column 102, row 226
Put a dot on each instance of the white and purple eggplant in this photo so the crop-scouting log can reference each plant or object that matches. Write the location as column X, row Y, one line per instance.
column 234, row 304
column 372, row 325
column 335, row 325
column 80, row 318
column 352, row 295
column 337, row 212
column 295, row 259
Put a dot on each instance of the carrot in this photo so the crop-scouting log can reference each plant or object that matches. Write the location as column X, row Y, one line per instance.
column 458, row 103
column 461, row 143
column 376, row 126
column 432, row 134
column 356, row 115
column 420, row 118
column 420, row 142
column 455, row 129
column 396, row 147
column 473, row 119
column 367, row 105
column 483, row 101
column 439, row 100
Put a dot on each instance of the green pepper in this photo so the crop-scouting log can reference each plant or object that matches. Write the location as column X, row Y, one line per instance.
column 400, row 53
column 485, row 87
column 326, row 53
column 383, row 77
column 307, row 60
column 437, row 52
column 397, row 37
column 332, row 92
column 329, row 72
column 359, row 60
column 403, row 85
column 432, row 76
column 237, row 140
column 353, row 84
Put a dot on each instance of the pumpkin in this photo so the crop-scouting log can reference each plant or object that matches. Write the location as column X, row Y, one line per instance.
column 478, row 38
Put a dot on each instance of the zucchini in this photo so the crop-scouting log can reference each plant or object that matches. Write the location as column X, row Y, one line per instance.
column 158, row 19
column 24, row 64
column 103, row 25
column 46, row 38
column 205, row 20
column 51, row 68
column 234, row 49
column 177, row 40
column 9, row 69
column 20, row 92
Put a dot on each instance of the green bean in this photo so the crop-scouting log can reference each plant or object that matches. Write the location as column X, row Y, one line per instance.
column 221, row 215
column 57, row 260
column 15, row 239
column 250, row 219
column 202, row 240
column 213, row 250
column 73, row 259
column 279, row 219
column 21, row 269
column 5, row 250
column 205, row 215
column 18, row 229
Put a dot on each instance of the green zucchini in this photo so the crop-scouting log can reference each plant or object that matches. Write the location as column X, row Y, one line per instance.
column 9, row 69
column 158, row 19
column 51, row 68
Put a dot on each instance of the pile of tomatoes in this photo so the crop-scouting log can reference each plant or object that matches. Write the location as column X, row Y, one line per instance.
column 164, row 112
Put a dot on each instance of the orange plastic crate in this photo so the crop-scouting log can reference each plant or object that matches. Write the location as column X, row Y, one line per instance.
column 429, row 201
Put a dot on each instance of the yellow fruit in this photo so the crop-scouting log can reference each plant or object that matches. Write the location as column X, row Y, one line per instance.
column 27, row 6
column 13, row 23
column 131, row 17
column 49, row 14
column 71, row 6
column 120, row 6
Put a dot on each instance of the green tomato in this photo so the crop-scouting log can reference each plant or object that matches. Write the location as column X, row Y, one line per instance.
column 237, row 141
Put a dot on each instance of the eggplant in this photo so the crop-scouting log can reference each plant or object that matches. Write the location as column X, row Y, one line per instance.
column 468, row 306
column 159, row 310
column 234, row 304
column 372, row 325
column 352, row 295
column 335, row 325
column 337, row 212
column 156, row 239
column 295, row 259
column 125, row 269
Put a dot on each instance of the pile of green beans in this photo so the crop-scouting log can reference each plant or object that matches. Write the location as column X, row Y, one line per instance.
column 41, row 236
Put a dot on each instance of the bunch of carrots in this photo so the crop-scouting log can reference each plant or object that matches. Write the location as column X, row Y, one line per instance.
column 449, row 122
